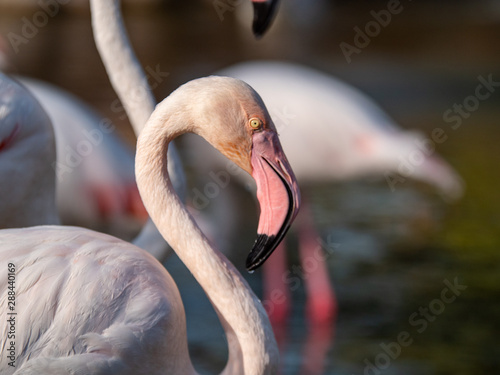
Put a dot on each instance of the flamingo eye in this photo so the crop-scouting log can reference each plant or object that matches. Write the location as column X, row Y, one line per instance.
column 255, row 123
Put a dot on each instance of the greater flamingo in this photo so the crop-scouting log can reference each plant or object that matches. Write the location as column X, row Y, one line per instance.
column 331, row 132
column 26, row 137
column 93, row 163
column 89, row 303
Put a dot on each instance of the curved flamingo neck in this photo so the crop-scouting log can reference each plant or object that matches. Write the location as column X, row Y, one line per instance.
column 252, row 347
column 131, row 85
column 124, row 70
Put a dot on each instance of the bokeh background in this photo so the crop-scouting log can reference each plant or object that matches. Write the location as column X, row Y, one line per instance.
column 394, row 250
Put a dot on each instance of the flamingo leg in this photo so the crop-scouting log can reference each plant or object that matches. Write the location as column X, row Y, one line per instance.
column 277, row 296
column 321, row 307
column 276, row 292
column 321, row 300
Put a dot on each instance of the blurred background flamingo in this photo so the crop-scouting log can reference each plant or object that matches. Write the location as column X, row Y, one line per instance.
column 94, row 163
column 347, row 137
column 27, row 143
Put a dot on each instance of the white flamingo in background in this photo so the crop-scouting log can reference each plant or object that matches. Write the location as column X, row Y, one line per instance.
column 93, row 163
column 331, row 132
column 89, row 303
column 27, row 191
column 101, row 173
column 127, row 76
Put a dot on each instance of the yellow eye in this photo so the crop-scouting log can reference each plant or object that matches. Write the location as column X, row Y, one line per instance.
column 255, row 123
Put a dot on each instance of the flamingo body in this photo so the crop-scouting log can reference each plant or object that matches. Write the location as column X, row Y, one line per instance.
column 88, row 303
column 27, row 151
column 93, row 162
column 122, row 319
column 333, row 132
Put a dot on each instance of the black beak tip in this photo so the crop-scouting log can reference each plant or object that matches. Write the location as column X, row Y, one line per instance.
column 252, row 264
column 262, row 249
column 264, row 12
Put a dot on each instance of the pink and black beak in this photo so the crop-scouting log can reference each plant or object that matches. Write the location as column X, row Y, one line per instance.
column 277, row 192
column 264, row 12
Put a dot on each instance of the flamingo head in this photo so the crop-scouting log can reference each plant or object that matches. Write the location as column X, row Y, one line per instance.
column 240, row 128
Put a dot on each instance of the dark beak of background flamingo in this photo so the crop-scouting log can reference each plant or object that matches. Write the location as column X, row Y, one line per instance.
column 264, row 12
column 277, row 192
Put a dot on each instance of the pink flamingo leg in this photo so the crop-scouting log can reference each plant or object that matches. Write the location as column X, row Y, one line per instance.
column 321, row 308
column 276, row 292
column 277, row 299
column 321, row 305
column 321, row 301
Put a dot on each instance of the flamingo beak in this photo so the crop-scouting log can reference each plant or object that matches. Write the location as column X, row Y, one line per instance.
column 264, row 12
column 277, row 192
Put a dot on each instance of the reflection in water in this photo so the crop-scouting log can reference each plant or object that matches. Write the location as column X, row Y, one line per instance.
column 320, row 313
column 314, row 347
column 318, row 341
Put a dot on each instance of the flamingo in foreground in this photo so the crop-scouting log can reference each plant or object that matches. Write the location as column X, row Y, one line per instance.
column 89, row 303
column 331, row 132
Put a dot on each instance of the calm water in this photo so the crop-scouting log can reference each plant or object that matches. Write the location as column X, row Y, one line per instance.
column 393, row 253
